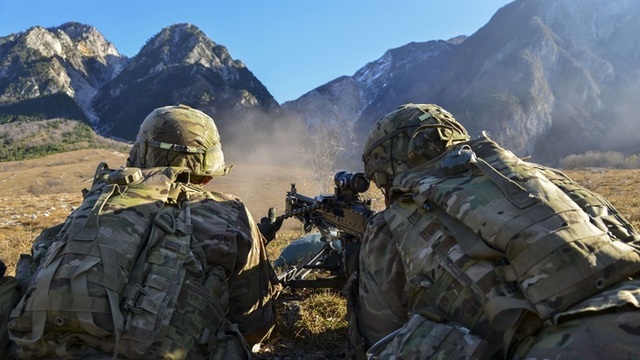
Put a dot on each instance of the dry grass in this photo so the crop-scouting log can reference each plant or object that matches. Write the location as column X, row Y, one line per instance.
column 40, row 193
column 620, row 187
column 311, row 324
column 37, row 194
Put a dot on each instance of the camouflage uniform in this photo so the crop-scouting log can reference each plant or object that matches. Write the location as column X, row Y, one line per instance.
column 430, row 287
column 226, row 299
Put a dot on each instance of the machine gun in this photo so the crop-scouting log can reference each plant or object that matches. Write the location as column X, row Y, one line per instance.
column 341, row 220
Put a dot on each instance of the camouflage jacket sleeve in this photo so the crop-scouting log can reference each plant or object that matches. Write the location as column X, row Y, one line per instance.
column 382, row 301
column 254, row 285
column 236, row 244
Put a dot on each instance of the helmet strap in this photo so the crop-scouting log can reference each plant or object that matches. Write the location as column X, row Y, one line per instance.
column 203, row 162
column 177, row 149
column 166, row 157
column 393, row 163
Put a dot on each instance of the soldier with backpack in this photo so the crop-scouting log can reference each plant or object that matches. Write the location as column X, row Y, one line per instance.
column 151, row 266
column 481, row 255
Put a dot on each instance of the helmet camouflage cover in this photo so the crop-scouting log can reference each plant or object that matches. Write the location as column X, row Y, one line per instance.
column 179, row 136
column 411, row 134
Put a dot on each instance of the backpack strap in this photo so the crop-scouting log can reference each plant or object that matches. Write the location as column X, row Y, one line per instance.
column 515, row 193
column 472, row 243
column 92, row 225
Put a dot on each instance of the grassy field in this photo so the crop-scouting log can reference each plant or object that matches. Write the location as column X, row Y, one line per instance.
column 40, row 193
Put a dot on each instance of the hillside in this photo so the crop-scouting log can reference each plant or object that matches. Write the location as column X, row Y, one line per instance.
column 21, row 140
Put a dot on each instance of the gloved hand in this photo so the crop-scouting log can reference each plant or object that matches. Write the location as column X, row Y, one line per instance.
column 269, row 225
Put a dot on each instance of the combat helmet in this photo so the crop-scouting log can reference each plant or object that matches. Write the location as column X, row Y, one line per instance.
column 182, row 137
column 406, row 137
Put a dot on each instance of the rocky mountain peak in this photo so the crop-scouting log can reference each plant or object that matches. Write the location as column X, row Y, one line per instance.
column 73, row 42
column 178, row 42
column 377, row 74
column 186, row 44
column 180, row 64
column 43, row 41
column 88, row 41
column 72, row 59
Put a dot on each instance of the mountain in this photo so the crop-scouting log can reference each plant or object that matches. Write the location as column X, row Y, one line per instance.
column 181, row 64
column 543, row 78
column 72, row 72
column 342, row 100
column 54, row 72
column 549, row 79
column 337, row 104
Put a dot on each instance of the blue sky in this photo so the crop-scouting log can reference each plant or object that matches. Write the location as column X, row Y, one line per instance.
column 291, row 46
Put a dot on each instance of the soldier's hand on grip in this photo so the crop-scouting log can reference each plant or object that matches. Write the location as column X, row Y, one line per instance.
column 269, row 225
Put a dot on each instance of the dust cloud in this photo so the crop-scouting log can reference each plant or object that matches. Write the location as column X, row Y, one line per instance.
column 265, row 139
column 271, row 151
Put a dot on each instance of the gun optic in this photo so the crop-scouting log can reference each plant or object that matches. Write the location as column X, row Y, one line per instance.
column 352, row 182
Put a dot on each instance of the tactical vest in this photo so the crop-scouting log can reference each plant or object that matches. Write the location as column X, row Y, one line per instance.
column 125, row 277
column 489, row 242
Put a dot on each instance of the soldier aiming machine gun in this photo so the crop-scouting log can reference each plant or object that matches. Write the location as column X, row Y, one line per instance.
column 341, row 219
